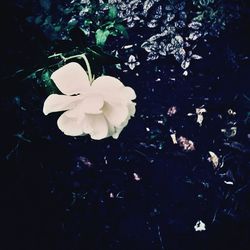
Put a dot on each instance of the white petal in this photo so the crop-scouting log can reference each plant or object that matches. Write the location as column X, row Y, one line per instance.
column 55, row 103
column 131, row 108
column 119, row 129
column 69, row 125
column 116, row 114
column 128, row 93
column 113, row 89
column 92, row 104
column 96, row 126
column 71, row 79
column 107, row 83
column 89, row 105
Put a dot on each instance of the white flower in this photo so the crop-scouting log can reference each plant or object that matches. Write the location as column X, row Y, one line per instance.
column 101, row 108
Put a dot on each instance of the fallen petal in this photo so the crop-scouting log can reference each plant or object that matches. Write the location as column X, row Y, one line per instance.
column 214, row 159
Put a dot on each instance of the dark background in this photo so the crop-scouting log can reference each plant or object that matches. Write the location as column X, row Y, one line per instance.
column 56, row 189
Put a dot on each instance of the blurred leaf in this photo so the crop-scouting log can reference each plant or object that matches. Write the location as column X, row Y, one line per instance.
column 45, row 4
column 229, row 132
column 72, row 23
column 112, row 12
column 78, row 37
column 121, row 28
column 237, row 146
column 68, row 10
column 38, row 20
column 48, row 83
column 48, row 20
column 87, row 22
column 101, row 37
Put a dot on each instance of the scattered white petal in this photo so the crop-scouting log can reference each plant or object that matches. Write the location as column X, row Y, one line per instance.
column 214, row 159
column 231, row 112
column 199, row 112
column 196, row 57
column 136, row 177
column 173, row 137
column 129, row 46
column 186, row 144
column 229, row 182
column 185, row 73
column 200, row 226
column 172, row 111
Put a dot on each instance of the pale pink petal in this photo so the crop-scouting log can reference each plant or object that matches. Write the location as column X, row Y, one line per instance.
column 118, row 130
column 96, row 126
column 92, row 104
column 71, row 79
column 131, row 108
column 56, row 103
column 115, row 114
column 128, row 93
column 107, row 83
column 89, row 105
column 69, row 125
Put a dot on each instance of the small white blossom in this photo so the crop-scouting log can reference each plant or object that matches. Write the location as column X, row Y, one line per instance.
column 132, row 62
column 200, row 226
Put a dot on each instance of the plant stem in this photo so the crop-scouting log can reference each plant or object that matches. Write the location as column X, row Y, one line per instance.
column 88, row 68
column 82, row 56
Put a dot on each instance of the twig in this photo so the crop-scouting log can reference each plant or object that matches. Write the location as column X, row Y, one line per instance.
column 79, row 56
column 160, row 238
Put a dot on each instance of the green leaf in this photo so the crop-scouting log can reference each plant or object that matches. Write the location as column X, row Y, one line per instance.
column 87, row 22
column 45, row 76
column 121, row 28
column 38, row 20
column 112, row 12
column 57, row 28
column 101, row 37
column 67, row 10
column 72, row 23
column 48, row 84
column 48, row 20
